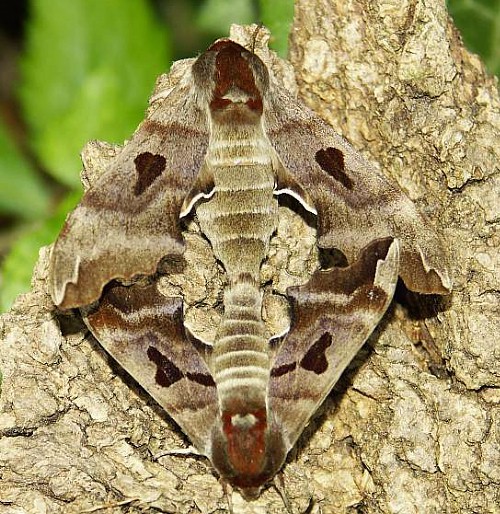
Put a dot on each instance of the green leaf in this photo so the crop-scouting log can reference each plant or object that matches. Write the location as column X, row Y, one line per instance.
column 216, row 16
column 22, row 192
column 17, row 266
column 277, row 16
column 479, row 24
column 87, row 73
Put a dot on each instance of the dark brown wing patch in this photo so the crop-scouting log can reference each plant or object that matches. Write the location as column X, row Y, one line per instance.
column 203, row 379
column 167, row 373
column 331, row 160
column 315, row 359
column 279, row 371
column 149, row 167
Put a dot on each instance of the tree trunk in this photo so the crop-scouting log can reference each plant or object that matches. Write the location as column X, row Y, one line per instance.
column 413, row 426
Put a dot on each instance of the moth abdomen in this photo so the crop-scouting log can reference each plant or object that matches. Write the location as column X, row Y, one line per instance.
column 242, row 448
column 240, row 360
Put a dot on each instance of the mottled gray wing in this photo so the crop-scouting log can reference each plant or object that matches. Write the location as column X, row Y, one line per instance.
column 144, row 332
column 332, row 316
column 355, row 203
column 129, row 219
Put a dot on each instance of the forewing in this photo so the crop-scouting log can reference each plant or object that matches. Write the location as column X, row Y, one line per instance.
column 332, row 316
column 354, row 202
column 129, row 219
column 144, row 332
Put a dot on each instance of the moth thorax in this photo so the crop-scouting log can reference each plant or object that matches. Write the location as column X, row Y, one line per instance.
column 238, row 78
column 246, row 450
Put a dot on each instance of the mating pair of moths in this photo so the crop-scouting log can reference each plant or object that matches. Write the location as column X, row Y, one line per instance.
column 222, row 144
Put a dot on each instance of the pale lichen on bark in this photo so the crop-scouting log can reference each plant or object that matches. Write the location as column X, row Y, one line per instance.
column 414, row 426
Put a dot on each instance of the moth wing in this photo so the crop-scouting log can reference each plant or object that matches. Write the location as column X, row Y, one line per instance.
column 129, row 219
column 143, row 331
column 355, row 203
column 332, row 316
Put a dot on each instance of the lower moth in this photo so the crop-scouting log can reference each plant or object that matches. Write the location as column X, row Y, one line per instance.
column 224, row 143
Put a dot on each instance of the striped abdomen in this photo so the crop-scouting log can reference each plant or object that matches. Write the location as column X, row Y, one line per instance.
column 239, row 220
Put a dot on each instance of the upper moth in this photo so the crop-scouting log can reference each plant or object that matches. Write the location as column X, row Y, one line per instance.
column 222, row 144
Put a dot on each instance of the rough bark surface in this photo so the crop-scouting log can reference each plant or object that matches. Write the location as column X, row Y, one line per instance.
column 414, row 425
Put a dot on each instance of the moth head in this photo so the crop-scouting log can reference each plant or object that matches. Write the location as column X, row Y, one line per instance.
column 228, row 78
column 247, row 451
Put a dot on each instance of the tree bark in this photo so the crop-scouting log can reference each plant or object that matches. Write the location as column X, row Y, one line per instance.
column 413, row 426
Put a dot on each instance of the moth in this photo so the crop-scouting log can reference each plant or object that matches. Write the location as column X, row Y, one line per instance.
column 224, row 143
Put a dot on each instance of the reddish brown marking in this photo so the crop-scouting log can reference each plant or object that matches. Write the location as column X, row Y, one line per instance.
column 233, row 71
column 283, row 369
column 331, row 160
column 246, row 446
column 167, row 373
column 149, row 167
column 217, row 104
column 315, row 359
column 255, row 104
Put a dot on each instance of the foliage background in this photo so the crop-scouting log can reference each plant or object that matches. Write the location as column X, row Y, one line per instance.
column 81, row 70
